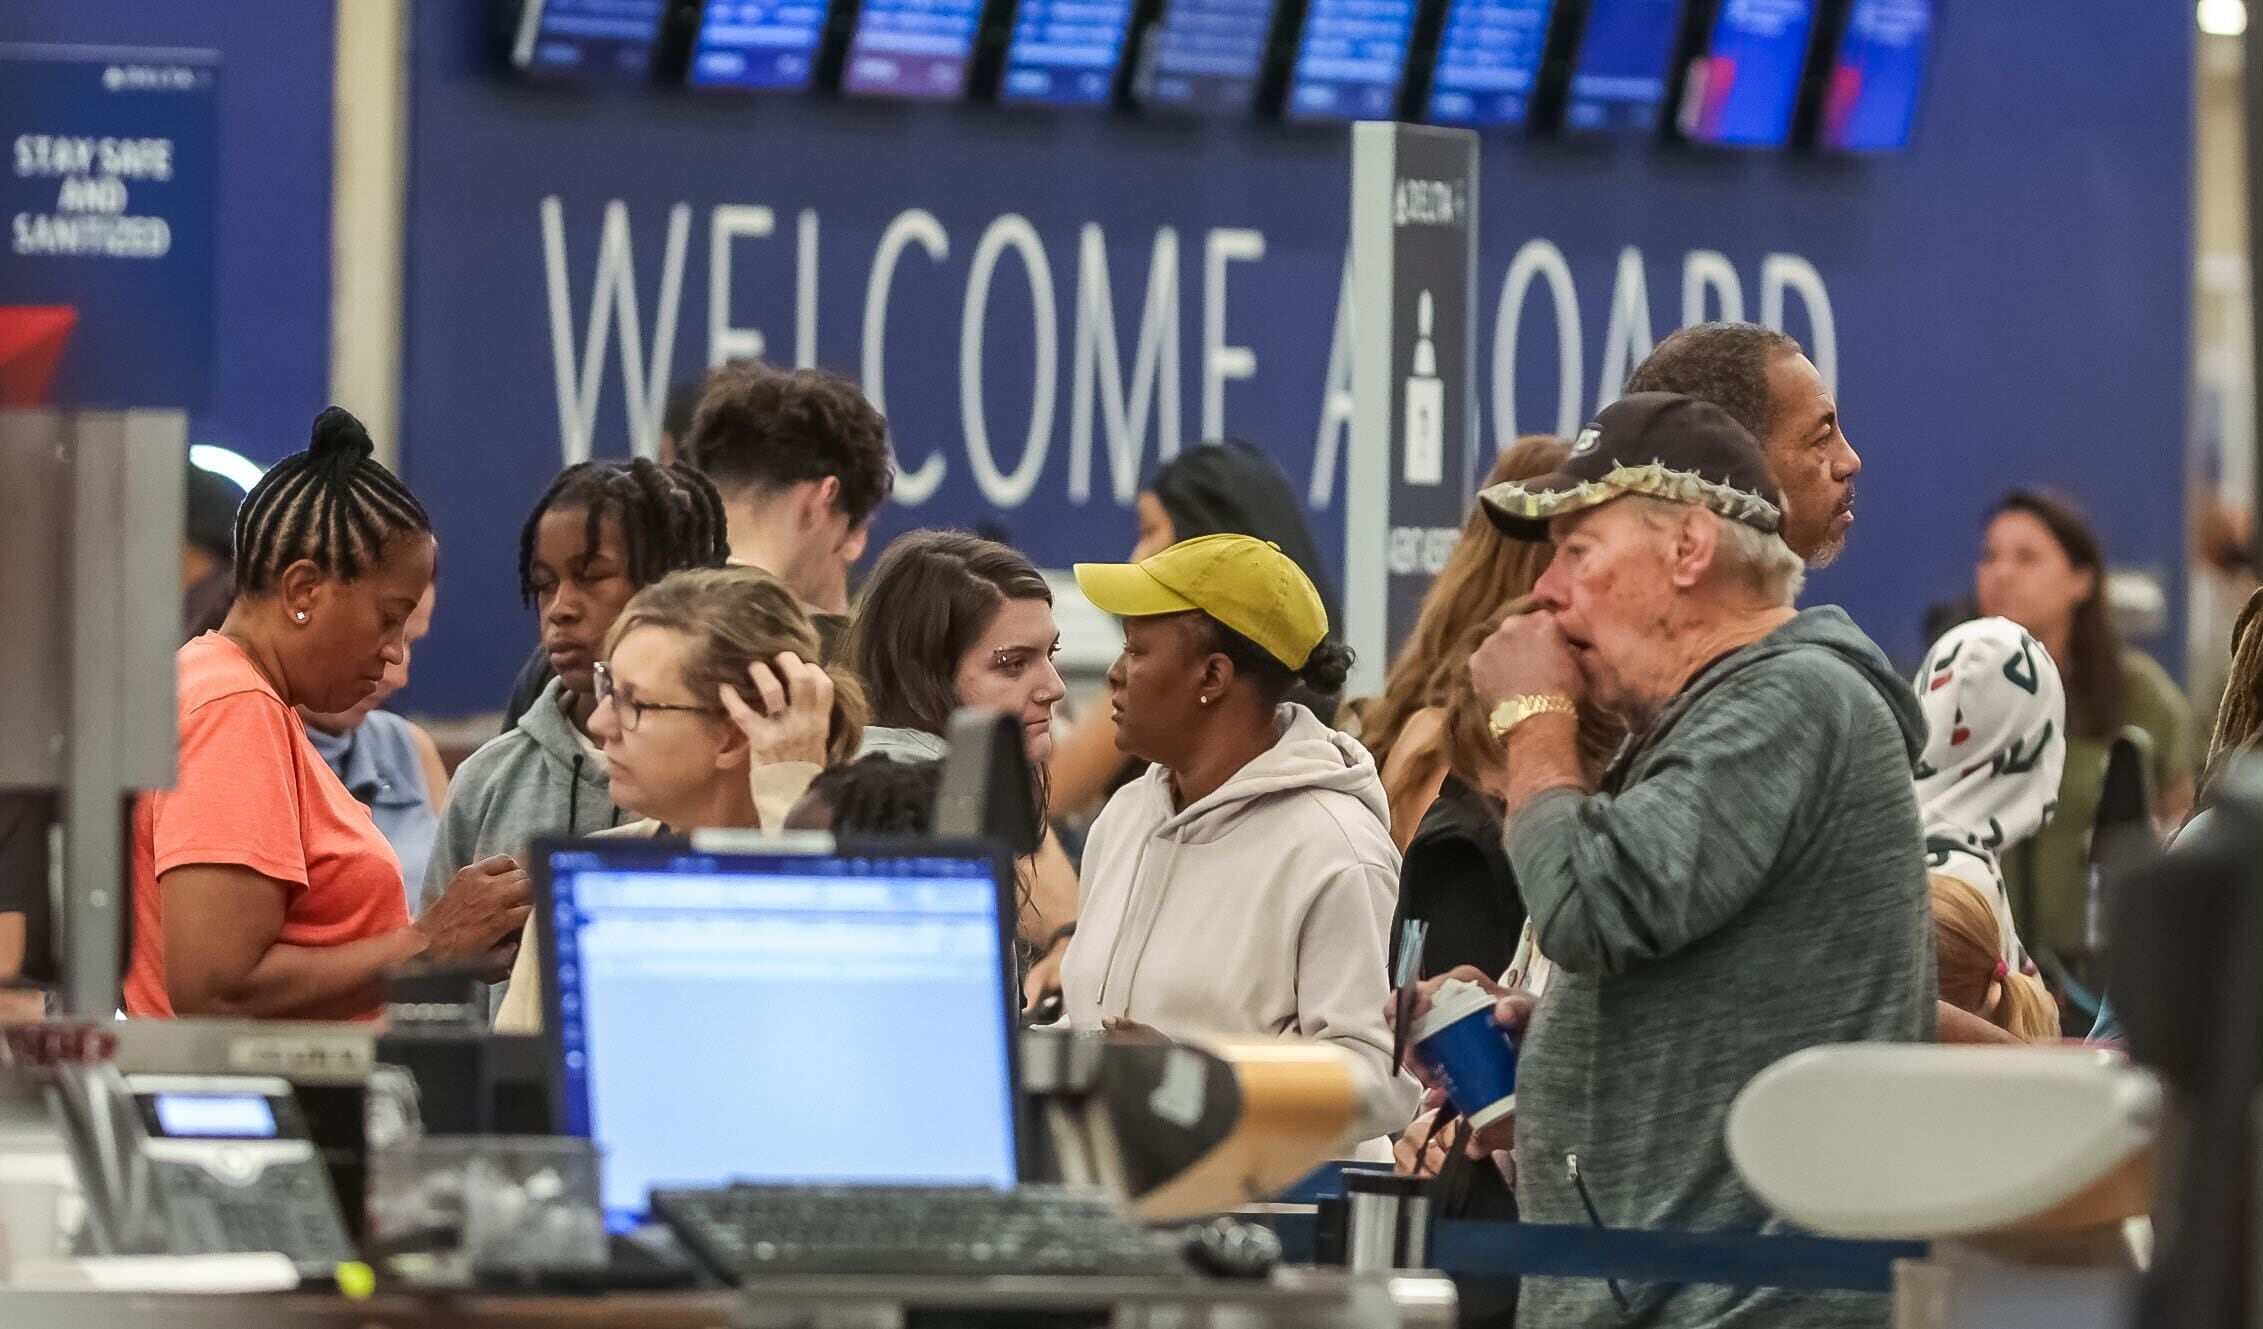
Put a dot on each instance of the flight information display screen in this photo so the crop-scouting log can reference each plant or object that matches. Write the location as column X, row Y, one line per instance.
column 1065, row 52
column 1745, row 84
column 912, row 48
column 1351, row 59
column 1620, row 76
column 588, row 38
column 759, row 44
column 1206, row 54
column 1488, row 62
column 1877, row 75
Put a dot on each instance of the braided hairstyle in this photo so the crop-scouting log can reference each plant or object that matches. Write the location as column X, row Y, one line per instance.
column 671, row 517
column 333, row 505
column 2239, row 717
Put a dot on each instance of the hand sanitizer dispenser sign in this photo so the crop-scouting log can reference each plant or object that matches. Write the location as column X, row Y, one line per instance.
column 1414, row 459
column 1423, row 448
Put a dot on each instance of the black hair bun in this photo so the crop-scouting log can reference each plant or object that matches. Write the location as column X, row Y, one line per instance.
column 337, row 434
column 1328, row 667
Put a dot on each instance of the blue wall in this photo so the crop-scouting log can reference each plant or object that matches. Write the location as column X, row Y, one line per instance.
column 2009, row 299
column 271, row 353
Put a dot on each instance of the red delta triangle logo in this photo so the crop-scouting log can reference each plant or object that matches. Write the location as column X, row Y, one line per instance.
column 32, row 340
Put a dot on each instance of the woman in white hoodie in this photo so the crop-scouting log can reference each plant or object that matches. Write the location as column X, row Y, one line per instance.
column 1244, row 885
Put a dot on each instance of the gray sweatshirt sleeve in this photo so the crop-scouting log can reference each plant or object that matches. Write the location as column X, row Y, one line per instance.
column 455, row 846
column 1612, row 882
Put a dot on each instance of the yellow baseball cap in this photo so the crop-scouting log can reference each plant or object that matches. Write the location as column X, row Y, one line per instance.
column 1247, row 584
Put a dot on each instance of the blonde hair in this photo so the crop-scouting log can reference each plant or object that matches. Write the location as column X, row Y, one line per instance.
column 734, row 617
column 1968, row 948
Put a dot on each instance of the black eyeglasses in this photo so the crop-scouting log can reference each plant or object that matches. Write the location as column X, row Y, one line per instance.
column 630, row 709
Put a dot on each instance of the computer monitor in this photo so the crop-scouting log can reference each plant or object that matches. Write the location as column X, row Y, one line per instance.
column 587, row 39
column 757, row 45
column 1206, row 56
column 1065, row 52
column 1743, row 84
column 916, row 49
column 1624, row 66
column 1876, row 74
column 1351, row 59
column 842, row 1016
column 1491, row 55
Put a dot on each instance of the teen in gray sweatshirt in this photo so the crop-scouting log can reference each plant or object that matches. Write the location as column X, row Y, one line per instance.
column 542, row 778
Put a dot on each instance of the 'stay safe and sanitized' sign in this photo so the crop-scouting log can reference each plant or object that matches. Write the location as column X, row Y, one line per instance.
column 107, row 198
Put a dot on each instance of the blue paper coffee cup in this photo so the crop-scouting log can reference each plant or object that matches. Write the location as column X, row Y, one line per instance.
column 1474, row 1058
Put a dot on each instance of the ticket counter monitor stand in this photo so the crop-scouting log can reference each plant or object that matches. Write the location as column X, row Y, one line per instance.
column 2030, row 1170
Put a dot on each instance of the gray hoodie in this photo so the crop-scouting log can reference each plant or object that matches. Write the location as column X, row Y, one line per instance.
column 536, row 780
column 1258, row 911
column 1750, row 881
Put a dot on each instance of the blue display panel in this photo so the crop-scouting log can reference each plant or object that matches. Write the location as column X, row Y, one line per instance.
column 1351, row 60
column 1877, row 75
column 1488, row 62
column 1744, row 84
column 1625, row 57
column 588, row 38
column 912, row 48
column 758, row 44
column 1207, row 54
column 649, row 946
column 1065, row 52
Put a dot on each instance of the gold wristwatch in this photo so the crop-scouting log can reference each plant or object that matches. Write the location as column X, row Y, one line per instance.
column 1516, row 710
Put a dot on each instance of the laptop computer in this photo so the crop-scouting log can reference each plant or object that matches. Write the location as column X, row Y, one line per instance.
column 781, row 1013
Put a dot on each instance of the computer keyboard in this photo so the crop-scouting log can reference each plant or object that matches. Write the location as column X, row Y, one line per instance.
column 744, row 1232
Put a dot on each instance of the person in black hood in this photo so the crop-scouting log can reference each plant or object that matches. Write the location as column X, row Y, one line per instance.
column 1227, row 488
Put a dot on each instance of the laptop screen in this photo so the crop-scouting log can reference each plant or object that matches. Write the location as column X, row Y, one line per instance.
column 779, row 1017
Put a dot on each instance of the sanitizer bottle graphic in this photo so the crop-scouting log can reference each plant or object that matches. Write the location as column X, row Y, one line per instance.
column 1423, row 449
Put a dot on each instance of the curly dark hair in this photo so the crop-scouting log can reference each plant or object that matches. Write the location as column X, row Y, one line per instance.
column 1724, row 363
column 760, row 429
column 671, row 517
column 334, row 505
column 879, row 795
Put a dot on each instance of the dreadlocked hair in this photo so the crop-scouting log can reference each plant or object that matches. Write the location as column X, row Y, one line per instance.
column 333, row 505
column 2239, row 717
column 671, row 517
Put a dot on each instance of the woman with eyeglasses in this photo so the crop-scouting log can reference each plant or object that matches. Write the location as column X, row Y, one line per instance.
column 710, row 714
column 602, row 532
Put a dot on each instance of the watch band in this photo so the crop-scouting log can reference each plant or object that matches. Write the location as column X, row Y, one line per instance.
column 1516, row 710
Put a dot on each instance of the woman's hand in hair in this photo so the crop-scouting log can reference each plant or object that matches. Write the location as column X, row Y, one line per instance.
column 796, row 715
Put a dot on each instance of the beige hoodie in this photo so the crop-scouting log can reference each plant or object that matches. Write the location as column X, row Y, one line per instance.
column 1260, row 910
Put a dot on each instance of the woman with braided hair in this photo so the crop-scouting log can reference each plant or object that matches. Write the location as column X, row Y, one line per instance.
column 260, row 886
column 602, row 532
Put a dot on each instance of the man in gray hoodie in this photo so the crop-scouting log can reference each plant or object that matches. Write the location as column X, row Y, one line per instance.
column 1748, row 880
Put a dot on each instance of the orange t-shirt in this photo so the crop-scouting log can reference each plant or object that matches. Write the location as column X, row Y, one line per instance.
column 252, row 792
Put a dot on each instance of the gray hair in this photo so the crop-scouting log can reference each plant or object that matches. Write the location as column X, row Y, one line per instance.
column 1755, row 561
